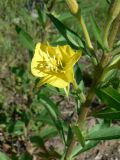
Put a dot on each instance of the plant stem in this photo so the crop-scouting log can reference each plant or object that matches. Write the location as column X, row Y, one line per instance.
column 85, row 107
column 87, row 37
column 85, row 31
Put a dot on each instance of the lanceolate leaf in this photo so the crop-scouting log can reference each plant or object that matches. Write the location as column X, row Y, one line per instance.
column 110, row 97
column 50, row 106
column 78, row 134
column 96, row 31
column 53, row 111
column 69, row 136
column 72, row 38
column 42, row 17
column 108, row 113
column 104, row 134
column 115, row 64
column 25, row 38
column 48, row 132
column 88, row 145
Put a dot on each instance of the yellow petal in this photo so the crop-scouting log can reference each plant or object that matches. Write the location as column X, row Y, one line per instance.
column 54, row 81
column 59, row 75
column 71, row 78
column 72, row 60
column 44, row 80
column 38, row 56
column 67, row 50
column 59, row 83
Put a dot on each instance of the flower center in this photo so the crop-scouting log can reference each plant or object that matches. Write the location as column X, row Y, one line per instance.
column 51, row 64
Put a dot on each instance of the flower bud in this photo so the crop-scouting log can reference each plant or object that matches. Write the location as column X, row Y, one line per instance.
column 73, row 6
column 115, row 9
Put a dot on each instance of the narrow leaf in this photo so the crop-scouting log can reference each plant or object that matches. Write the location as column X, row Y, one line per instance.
column 79, row 135
column 96, row 31
column 50, row 106
column 108, row 113
column 41, row 17
column 110, row 97
column 104, row 134
column 54, row 112
column 69, row 136
column 37, row 140
column 88, row 145
column 48, row 132
column 25, row 38
column 72, row 38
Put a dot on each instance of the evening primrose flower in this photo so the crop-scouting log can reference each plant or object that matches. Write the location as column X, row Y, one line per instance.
column 54, row 65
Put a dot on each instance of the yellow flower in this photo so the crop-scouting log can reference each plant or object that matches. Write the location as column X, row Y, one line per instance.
column 54, row 65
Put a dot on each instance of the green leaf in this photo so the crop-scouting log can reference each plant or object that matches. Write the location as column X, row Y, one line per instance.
column 41, row 17
column 109, row 1
column 3, row 156
column 16, row 128
column 53, row 111
column 69, row 136
column 108, row 113
column 96, row 31
column 110, row 97
column 78, row 73
column 72, row 38
column 48, row 132
column 115, row 63
column 18, row 71
column 25, row 38
column 26, row 156
column 60, row 126
column 88, row 145
column 45, row 119
column 50, row 106
column 37, row 140
column 64, row 16
column 78, row 134
column 104, row 134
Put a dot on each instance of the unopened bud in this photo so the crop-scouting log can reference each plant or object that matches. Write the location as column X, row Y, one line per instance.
column 115, row 9
column 73, row 6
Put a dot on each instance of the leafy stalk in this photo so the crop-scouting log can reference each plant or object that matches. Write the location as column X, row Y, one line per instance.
column 75, row 10
column 85, row 107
